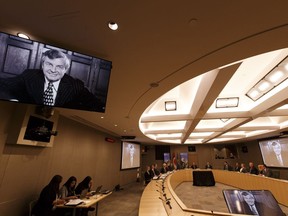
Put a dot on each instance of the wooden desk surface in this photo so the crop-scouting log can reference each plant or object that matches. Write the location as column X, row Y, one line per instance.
column 86, row 202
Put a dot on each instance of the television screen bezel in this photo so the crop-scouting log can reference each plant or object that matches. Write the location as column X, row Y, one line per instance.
column 122, row 154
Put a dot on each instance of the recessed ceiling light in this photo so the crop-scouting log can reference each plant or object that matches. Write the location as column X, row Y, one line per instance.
column 113, row 26
column 22, row 35
column 193, row 22
column 154, row 84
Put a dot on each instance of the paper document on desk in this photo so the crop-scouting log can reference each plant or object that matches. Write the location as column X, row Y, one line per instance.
column 74, row 202
column 86, row 201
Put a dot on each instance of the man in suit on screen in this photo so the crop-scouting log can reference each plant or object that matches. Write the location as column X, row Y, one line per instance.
column 50, row 85
column 251, row 206
column 277, row 156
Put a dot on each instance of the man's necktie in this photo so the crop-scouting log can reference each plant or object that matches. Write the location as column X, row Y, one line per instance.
column 254, row 210
column 48, row 95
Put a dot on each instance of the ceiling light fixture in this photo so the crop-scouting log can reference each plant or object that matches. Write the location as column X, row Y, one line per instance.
column 113, row 26
column 272, row 79
column 22, row 35
column 170, row 106
column 227, row 102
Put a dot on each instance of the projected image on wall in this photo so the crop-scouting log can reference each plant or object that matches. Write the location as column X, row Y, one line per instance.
column 130, row 157
column 275, row 152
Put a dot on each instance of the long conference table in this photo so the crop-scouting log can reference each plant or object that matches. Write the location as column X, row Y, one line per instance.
column 87, row 203
column 154, row 198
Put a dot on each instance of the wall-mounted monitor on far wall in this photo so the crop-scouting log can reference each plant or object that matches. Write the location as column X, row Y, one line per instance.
column 130, row 155
column 37, row 73
column 275, row 152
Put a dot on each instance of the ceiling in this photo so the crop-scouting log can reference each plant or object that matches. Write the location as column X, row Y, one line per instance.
column 162, row 44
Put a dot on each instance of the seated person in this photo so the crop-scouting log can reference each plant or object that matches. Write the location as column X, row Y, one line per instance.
column 227, row 166
column 67, row 191
column 157, row 172
column 243, row 168
column 266, row 171
column 194, row 166
column 49, row 197
column 83, row 189
column 147, row 175
column 164, row 169
column 154, row 172
column 208, row 165
column 237, row 167
column 253, row 169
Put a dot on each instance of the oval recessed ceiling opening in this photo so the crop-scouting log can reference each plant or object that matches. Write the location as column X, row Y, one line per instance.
column 231, row 103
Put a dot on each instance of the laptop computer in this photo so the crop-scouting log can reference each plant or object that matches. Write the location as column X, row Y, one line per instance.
column 97, row 191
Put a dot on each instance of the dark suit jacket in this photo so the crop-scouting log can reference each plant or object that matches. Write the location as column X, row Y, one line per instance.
column 194, row 166
column 44, row 205
column 28, row 87
column 267, row 172
column 227, row 167
column 262, row 208
column 273, row 161
column 237, row 168
column 253, row 170
column 208, row 167
column 147, row 177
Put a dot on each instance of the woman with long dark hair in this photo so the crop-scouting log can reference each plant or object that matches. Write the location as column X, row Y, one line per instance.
column 84, row 187
column 49, row 198
column 67, row 191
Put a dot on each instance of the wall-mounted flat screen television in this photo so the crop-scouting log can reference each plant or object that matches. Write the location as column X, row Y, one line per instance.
column 275, row 152
column 252, row 202
column 32, row 72
column 130, row 155
column 38, row 129
column 28, row 127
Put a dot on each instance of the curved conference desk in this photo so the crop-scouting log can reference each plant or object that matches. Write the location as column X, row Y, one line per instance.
column 153, row 200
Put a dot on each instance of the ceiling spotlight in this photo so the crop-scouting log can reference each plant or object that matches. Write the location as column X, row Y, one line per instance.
column 113, row 26
column 22, row 35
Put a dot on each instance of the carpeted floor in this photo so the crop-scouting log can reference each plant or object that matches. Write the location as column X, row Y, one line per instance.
column 126, row 202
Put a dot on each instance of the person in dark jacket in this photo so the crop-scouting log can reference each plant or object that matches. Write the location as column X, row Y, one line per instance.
column 49, row 198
